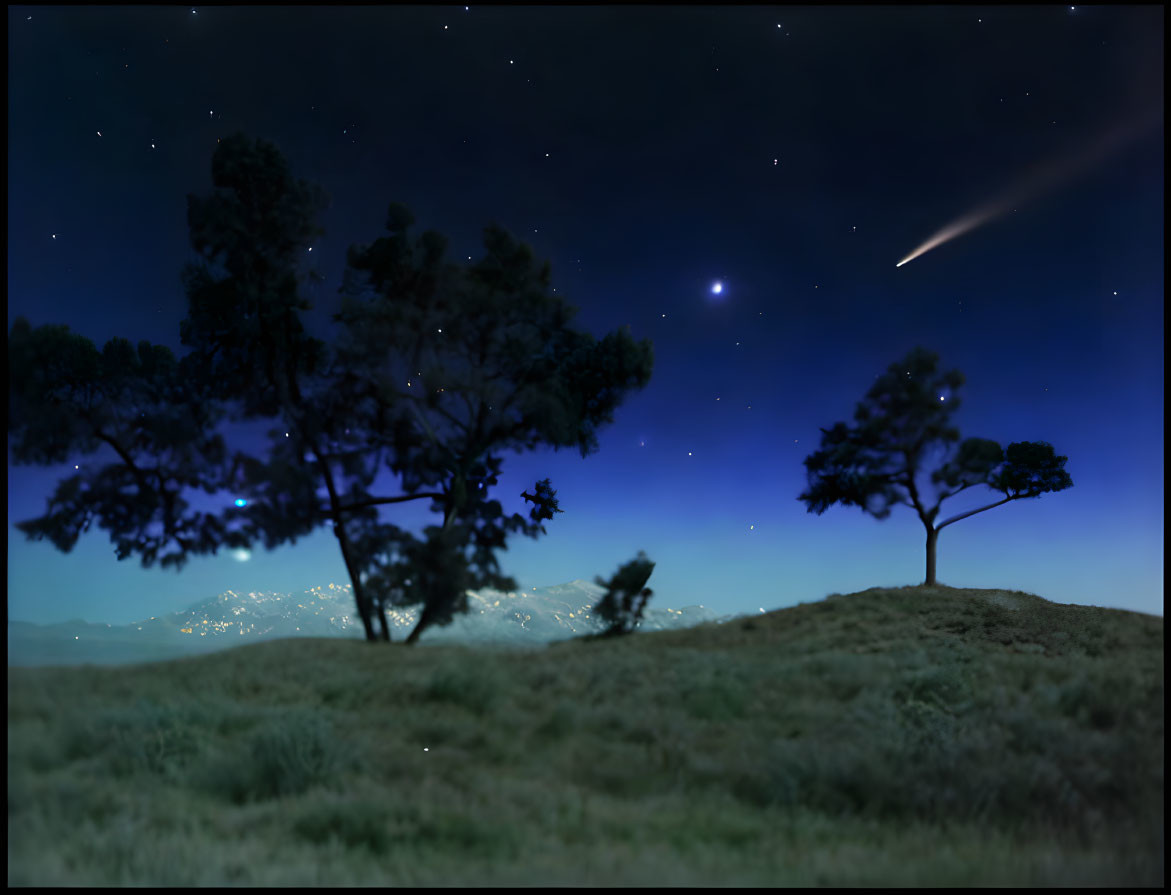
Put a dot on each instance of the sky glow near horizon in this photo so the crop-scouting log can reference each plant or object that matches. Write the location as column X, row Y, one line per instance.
column 1052, row 308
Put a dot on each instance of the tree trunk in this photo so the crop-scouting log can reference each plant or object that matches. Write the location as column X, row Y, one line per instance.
column 423, row 622
column 363, row 603
column 932, row 537
column 413, row 637
column 383, row 625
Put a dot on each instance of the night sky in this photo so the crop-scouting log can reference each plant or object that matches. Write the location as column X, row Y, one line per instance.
column 793, row 155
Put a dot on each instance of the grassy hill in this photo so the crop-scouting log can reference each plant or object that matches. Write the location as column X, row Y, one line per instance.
column 912, row 736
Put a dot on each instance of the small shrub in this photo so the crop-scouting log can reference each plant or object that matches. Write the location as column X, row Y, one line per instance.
column 360, row 824
column 149, row 737
column 718, row 699
column 465, row 836
column 456, row 683
column 558, row 724
column 622, row 606
column 287, row 755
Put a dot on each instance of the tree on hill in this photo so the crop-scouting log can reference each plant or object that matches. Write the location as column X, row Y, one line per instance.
column 622, row 605
column 438, row 369
column 901, row 425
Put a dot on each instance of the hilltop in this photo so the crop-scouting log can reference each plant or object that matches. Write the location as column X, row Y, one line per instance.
column 898, row 736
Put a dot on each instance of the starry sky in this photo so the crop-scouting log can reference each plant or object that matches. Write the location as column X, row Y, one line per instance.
column 793, row 155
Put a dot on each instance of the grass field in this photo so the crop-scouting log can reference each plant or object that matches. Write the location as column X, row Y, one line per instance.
column 915, row 736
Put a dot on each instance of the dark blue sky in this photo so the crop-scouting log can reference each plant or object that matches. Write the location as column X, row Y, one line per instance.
column 794, row 154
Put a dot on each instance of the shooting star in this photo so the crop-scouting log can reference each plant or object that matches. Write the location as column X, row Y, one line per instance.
column 1041, row 179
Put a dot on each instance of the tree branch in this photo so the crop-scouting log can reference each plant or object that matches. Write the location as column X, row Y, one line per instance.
column 376, row 501
column 943, row 497
column 126, row 458
column 925, row 516
column 974, row 512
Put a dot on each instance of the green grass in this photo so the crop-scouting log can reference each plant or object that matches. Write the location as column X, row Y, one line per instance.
column 914, row 736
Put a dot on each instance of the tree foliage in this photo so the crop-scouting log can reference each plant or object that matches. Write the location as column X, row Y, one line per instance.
column 901, row 426
column 622, row 605
column 67, row 400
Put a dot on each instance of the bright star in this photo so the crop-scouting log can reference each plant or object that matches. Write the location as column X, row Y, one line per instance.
column 717, row 287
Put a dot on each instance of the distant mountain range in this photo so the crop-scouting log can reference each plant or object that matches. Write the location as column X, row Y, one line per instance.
column 230, row 619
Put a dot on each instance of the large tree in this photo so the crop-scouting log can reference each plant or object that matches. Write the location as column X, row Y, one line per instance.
column 902, row 426
column 510, row 374
column 468, row 361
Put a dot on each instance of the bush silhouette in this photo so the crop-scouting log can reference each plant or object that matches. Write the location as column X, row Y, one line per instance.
column 622, row 605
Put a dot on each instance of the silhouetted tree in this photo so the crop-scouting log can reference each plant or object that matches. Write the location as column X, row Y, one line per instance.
column 468, row 361
column 622, row 605
column 901, row 425
column 509, row 374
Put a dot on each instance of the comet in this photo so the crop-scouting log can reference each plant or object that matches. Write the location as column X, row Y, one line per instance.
column 1041, row 179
